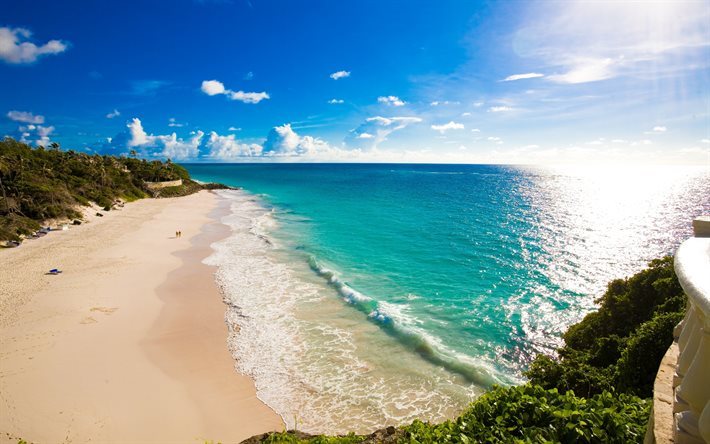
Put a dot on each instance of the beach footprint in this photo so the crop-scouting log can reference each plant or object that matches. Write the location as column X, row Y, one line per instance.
column 104, row 310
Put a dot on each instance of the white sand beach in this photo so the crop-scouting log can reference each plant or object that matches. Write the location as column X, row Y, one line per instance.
column 128, row 343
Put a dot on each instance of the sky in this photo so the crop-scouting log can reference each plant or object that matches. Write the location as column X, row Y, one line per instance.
column 361, row 81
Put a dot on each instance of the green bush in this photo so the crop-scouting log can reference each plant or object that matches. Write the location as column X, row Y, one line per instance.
column 639, row 362
column 530, row 413
column 621, row 345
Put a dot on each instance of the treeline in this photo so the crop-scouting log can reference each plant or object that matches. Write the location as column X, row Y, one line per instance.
column 596, row 390
column 37, row 184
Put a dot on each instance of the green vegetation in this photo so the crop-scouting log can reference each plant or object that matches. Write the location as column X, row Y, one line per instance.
column 37, row 184
column 620, row 346
column 592, row 393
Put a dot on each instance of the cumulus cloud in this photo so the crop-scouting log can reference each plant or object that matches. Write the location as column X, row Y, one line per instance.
column 529, row 75
column 35, row 134
column 215, row 87
column 447, row 126
column 336, row 101
column 161, row 145
column 16, row 48
column 281, row 139
column 113, row 114
column 229, row 148
column 233, row 128
column 25, row 117
column 499, row 109
column 340, row 75
column 391, row 100
column 376, row 129
column 212, row 87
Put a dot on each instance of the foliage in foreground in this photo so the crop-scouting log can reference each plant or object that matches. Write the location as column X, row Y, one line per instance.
column 621, row 345
column 524, row 414
column 39, row 184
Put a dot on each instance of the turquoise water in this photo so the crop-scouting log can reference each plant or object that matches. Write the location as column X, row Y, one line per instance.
column 442, row 279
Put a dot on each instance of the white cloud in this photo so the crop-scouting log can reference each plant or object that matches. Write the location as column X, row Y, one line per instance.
column 25, row 117
column 340, row 75
column 529, row 75
column 215, row 87
column 499, row 109
column 15, row 47
column 475, row 130
column 248, row 97
column 174, row 123
column 228, row 147
column 282, row 139
column 494, row 139
column 704, row 140
column 37, row 134
column 138, row 134
column 465, row 114
column 169, row 145
column 233, row 128
column 212, row 87
column 377, row 129
column 586, row 70
column 175, row 148
column 336, row 101
column 112, row 114
column 586, row 41
column 659, row 129
column 391, row 100
column 443, row 102
column 447, row 126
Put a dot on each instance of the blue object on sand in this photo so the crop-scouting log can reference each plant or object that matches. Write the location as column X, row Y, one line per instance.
column 55, row 271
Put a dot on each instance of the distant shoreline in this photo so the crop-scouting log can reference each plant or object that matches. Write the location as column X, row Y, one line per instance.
column 129, row 342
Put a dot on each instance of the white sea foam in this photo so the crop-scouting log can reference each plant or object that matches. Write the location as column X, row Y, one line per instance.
column 326, row 369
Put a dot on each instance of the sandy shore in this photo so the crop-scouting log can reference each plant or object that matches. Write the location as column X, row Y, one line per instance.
column 128, row 344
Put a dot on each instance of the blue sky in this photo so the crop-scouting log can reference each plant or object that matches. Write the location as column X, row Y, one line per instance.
column 395, row 81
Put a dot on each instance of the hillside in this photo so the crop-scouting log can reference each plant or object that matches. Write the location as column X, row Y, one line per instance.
column 38, row 184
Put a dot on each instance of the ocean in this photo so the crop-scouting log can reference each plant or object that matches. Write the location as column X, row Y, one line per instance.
column 367, row 295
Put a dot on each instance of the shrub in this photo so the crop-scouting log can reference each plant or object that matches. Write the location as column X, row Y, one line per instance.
column 639, row 362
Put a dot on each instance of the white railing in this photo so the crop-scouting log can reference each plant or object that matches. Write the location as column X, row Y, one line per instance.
column 691, row 382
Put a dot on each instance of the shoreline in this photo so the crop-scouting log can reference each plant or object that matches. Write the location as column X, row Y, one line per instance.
column 115, row 349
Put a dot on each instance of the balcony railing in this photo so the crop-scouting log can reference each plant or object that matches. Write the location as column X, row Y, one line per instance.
column 691, row 381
